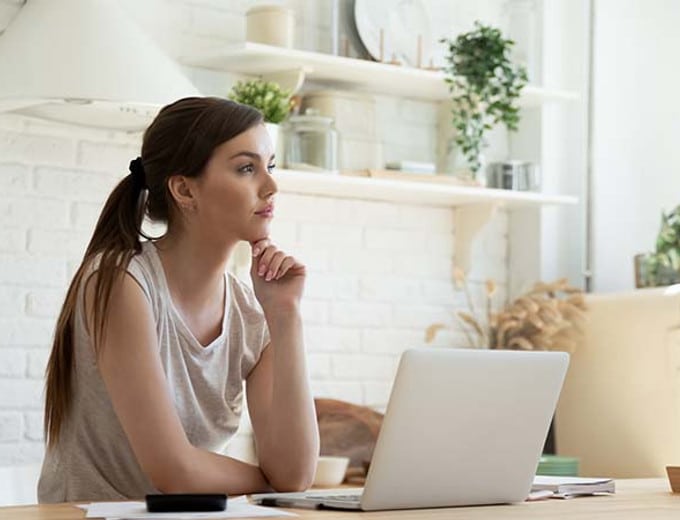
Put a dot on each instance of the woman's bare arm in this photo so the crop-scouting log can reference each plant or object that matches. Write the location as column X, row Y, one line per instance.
column 282, row 410
column 279, row 399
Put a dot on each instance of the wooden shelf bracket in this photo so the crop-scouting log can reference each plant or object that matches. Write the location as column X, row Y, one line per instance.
column 470, row 218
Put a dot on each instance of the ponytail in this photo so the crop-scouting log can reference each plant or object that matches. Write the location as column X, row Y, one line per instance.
column 181, row 139
column 115, row 240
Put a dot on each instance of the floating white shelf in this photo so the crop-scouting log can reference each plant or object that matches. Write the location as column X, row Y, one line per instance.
column 472, row 206
column 410, row 192
column 340, row 72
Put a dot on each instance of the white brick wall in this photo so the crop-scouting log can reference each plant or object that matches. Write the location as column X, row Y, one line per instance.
column 379, row 272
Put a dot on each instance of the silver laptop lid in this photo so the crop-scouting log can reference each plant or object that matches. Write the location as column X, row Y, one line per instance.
column 463, row 427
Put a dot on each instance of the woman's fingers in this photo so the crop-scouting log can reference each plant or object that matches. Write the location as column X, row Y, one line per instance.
column 287, row 263
column 260, row 246
column 292, row 265
column 270, row 262
column 265, row 259
column 274, row 265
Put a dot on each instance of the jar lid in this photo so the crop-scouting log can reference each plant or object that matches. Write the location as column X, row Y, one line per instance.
column 311, row 115
column 343, row 94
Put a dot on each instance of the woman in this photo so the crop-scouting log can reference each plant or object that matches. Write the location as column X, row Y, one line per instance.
column 154, row 341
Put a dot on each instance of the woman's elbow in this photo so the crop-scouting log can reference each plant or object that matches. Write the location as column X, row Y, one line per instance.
column 289, row 485
column 298, row 479
column 170, row 484
column 171, row 477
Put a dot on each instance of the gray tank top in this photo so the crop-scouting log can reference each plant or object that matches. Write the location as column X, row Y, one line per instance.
column 93, row 459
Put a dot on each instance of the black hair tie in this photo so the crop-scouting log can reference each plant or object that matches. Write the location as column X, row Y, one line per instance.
column 137, row 172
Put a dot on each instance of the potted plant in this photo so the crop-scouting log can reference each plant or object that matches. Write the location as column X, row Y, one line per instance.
column 268, row 97
column 547, row 317
column 484, row 85
column 662, row 267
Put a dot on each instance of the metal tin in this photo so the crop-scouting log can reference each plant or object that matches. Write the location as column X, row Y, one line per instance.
column 513, row 175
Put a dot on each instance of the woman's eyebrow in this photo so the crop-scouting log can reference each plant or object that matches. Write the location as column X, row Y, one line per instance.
column 252, row 155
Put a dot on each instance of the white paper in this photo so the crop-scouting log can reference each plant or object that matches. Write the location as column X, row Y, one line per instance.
column 237, row 508
column 567, row 487
column 547, row 480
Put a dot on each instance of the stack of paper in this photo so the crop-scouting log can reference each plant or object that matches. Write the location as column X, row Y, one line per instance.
column 567, row 487
column 236, row 508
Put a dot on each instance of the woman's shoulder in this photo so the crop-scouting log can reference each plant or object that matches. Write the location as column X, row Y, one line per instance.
column 141, row 268
column 144, row 270
column 247, row 317
column 242, row 295
column 239, row 288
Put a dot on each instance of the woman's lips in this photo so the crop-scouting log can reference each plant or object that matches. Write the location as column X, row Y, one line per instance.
column 267, row 212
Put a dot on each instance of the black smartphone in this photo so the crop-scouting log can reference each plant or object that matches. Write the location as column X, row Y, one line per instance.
column 178, row 503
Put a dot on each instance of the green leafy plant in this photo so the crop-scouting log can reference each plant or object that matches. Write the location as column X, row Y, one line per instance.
column 662, row 267
column 668, row 240
column 268, row 97
column 484, row 85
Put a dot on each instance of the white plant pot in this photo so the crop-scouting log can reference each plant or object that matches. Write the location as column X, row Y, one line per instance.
column 273, row 130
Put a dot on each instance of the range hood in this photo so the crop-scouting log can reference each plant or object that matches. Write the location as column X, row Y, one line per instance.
column 83, row 62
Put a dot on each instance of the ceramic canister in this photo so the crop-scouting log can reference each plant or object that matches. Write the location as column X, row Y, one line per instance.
column 270, row 24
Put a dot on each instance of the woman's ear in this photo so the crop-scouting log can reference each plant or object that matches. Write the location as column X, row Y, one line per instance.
column 181, row 190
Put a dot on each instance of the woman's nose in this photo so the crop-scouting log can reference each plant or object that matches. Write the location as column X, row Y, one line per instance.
column 269, row 187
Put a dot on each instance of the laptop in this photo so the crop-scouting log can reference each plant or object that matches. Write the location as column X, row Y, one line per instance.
column 462, row 427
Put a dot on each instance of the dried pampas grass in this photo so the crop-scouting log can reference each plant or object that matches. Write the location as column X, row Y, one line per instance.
column 548, row 317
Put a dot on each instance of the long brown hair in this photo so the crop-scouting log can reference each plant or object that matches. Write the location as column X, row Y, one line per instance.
column 180, row 140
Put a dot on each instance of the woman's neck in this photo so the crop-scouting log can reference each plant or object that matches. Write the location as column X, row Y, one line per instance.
column 194, row 267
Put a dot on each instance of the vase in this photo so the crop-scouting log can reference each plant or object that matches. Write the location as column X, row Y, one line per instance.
column 450, row 158
column 463, row 168
column 452, row 161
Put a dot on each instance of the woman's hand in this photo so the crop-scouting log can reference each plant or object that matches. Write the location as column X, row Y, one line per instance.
column 278, row 279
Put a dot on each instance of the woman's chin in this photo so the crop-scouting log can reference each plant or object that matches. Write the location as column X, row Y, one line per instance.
column 258, row 234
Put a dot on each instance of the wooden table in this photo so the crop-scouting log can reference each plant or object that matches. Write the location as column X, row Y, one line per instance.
column 634, row 499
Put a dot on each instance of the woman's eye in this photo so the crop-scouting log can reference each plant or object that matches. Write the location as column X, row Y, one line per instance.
column 271, row 167
column 248, row 168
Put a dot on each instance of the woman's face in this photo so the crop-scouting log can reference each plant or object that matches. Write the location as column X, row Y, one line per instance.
column 235, row 193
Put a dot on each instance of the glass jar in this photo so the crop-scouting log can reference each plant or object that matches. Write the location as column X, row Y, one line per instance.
column 310, row 143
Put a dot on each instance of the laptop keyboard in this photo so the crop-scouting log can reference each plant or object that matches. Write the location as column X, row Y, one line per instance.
column 340, row 498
